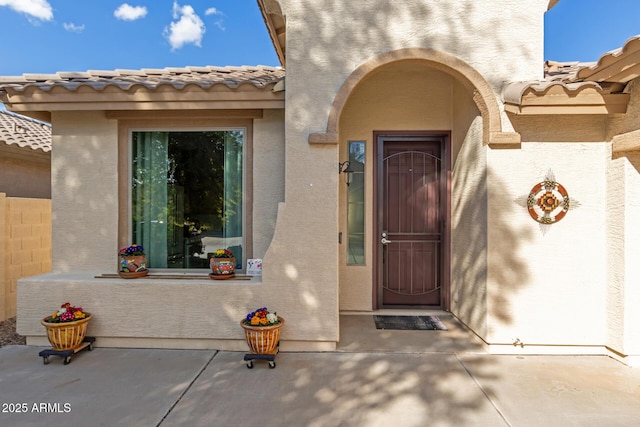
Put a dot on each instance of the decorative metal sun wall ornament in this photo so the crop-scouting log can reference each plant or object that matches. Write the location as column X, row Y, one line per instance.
column 548, row 202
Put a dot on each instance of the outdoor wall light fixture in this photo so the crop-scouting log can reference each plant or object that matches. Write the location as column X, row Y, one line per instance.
column 345, row 168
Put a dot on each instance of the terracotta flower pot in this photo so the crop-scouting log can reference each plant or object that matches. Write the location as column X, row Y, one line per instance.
column 222, row 267
column 66, row 335
column 132, row 263
column 262, row 339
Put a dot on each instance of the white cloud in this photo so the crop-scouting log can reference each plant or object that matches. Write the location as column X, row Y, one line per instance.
column 213, row 11
column 40, row 9
column 186, row 28
column 71, row 27
column 127, row 12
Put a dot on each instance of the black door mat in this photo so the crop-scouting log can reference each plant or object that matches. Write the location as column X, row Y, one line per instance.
column 409, row 323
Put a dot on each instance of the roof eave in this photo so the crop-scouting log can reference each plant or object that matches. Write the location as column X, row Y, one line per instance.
column 582, row 103
column 277, row 36
column 192, row 97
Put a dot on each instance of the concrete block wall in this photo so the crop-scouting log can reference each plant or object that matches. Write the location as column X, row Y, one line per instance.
column 25, row 245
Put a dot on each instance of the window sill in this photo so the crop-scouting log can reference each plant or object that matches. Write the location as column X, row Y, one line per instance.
column 164, row 276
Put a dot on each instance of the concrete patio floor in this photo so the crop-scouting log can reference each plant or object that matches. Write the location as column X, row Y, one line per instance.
column 431, row 378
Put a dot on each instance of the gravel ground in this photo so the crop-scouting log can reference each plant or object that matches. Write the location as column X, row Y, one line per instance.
column 8, row 334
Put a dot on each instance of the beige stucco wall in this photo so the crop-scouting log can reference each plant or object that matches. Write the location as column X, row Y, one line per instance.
column 558, row 276
column 165, row 313
column 616, row 248
column 326, row 41
column 268, row 177
column 581, row 275
column 85, row 203
column 85, row 177
column 352, row 32
column 631, row 298
column 623, row 207
column 84, row 181
column 24, row 173
column 469, row 224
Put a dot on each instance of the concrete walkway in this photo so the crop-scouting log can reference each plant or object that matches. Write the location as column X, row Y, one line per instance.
column 445, row 385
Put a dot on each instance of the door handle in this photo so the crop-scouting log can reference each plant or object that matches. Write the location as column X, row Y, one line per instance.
column 385, row 241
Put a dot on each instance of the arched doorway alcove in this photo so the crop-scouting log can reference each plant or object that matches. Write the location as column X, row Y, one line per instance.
column 403, row 96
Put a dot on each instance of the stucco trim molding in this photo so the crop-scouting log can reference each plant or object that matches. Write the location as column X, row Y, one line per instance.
column 483, row 94
column 629, row 141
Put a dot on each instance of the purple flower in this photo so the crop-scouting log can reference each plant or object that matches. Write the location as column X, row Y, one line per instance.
column 66, row 316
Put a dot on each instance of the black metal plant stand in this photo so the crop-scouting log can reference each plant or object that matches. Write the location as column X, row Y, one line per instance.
column 87, row 343
column 270, row 357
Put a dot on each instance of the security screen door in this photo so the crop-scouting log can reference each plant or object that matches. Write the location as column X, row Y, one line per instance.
column 411, row 205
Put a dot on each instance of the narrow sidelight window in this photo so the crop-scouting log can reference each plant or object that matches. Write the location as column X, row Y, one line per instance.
column 355, row 205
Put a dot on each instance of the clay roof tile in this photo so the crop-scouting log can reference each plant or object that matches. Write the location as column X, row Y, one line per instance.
column 24, row 132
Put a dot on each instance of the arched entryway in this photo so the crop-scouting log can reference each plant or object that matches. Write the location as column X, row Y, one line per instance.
column 408, row 121
column 483, row 95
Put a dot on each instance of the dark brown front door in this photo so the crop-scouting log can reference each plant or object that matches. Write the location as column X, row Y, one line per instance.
column 411, row 197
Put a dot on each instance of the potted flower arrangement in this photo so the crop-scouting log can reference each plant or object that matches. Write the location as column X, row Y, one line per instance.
column 67, row 327
column 133, row 262
column 223, row 264
column 262, row 331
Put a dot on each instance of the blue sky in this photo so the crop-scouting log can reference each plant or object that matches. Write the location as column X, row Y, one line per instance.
column 45, row 36
column 583, row 30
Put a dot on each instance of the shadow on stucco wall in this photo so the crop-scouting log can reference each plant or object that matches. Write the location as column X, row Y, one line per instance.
column 326, row 41
column 509, row 270
column 84, row 188
column 344, row 35
column 488, row 267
